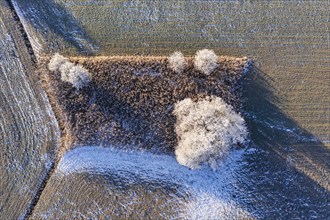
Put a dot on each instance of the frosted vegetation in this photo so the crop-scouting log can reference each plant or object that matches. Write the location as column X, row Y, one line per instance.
column 56, row 62
column 177, row 62
column 77, row 75
column 206, row 61
column 206, row 130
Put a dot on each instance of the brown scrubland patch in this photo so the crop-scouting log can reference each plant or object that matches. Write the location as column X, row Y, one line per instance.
column 129, row 102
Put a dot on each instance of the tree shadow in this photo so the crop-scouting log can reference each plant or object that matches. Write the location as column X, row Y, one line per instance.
column 119, row 124
column 53, row 21
column 286, row 174
column 99, row 117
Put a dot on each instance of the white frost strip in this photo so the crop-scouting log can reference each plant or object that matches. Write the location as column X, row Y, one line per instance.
column 210, row 190
column 36, row 45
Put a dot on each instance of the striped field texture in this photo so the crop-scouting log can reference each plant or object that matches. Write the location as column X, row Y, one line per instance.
column 288, row 40
column 28, row 128
column 285, row 173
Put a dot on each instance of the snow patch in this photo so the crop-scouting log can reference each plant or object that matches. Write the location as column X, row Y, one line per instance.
column 211, row 191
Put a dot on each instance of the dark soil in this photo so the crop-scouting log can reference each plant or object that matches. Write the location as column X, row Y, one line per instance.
column 130, row 100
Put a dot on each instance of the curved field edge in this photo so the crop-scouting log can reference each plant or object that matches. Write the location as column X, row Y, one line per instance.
column 146, row 178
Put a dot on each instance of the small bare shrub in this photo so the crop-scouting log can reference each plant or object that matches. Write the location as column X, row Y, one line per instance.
column 65, row 71
column 206, row 61
column 56, row 62
column 206, row 129
column 177, row 62
column 77, row 75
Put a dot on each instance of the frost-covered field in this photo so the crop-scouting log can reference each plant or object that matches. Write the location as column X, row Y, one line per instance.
column 95, row 182
column 177, row 191
column 284, row 175
column 28, row 129
column 288, row 40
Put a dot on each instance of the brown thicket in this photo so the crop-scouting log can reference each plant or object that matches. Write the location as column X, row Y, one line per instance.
column 130, row 100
